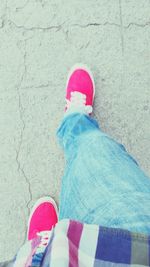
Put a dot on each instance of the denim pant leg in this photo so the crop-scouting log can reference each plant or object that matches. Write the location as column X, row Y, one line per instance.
column 102, row 183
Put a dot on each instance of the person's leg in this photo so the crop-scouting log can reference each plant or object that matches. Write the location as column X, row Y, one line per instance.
column 102, row 183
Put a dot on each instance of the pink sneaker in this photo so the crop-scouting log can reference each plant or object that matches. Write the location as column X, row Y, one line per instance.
column 80, row 90
column 44, row 216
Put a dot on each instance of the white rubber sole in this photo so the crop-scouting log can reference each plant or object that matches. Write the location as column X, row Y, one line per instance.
column 38, row 202
column 83, row 67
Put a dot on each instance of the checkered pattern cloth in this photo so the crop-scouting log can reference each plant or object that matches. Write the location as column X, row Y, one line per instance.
column 73, row 244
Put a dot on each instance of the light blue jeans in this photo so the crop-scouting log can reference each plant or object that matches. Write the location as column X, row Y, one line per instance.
column 102, row 183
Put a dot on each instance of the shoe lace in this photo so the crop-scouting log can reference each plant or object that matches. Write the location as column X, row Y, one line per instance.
column 45, row 237
column 78, row 102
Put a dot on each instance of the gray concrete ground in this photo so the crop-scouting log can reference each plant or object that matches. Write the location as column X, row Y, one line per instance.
column 39, row 41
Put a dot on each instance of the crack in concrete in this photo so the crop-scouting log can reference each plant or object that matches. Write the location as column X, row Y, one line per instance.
column 23, row 6
column 65, row 30
column 57, row 27
column 60, row 26
column 112, row 24
column 40, row 86
column 137, row 25
column 4, row 16
column 95, row 24
column 2, row 23
column 20, row 168
column 25, row 226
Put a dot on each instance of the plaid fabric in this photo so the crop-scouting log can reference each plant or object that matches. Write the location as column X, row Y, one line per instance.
column 73, row 244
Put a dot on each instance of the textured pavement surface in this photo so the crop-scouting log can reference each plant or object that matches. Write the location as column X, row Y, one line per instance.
column 39, row 41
